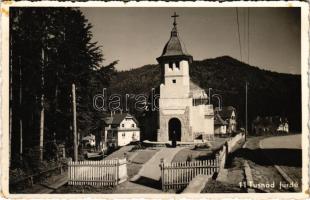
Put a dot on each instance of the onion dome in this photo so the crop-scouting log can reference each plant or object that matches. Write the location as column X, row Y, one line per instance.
column 174, row 48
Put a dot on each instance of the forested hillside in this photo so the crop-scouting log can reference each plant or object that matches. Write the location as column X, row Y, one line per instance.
column 269, row 93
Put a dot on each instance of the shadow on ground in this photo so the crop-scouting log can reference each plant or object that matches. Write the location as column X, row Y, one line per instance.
column 145, row 181
column 266, row 157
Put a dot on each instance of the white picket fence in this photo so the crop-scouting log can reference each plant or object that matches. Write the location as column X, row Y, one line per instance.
column 101, row 173
column 177, row 175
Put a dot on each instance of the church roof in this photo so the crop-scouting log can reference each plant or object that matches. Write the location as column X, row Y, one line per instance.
column 196, row 91
column 174, row 47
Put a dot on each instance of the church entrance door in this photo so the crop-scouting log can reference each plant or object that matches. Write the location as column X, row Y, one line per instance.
column 174, row 131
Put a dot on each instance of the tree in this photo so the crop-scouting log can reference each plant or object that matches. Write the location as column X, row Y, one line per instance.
column 55, row 49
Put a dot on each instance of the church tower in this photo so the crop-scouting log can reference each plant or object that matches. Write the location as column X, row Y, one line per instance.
column 174, row 90
column 174, row 63
column 184, row 113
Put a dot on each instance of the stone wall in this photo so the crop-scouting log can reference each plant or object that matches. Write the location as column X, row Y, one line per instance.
column 186, row 130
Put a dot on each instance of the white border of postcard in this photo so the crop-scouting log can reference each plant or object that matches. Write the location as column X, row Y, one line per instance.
column 5, row 100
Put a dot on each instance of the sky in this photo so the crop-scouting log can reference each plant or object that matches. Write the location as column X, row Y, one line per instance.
column 136, row 36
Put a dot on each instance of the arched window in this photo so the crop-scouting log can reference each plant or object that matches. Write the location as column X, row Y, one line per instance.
column 170, row 65
column 177, row 64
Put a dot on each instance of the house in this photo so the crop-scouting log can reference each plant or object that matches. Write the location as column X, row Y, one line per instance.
column 283, row 126
column 220, row 125
column 269, row 124
column 185, row 113
column 228, row 114
column 89, row 140
column 121, row 129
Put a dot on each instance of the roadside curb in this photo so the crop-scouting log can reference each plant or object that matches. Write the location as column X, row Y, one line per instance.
column 279, row 169
column 248, row 176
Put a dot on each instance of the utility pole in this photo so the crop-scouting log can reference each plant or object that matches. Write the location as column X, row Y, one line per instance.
column 74, row 124
column 210, row 95
column 42, row 104
column 20, row 108
column 246, row 110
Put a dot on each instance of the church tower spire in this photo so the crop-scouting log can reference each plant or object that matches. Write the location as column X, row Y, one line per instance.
column 174, row 31
column 174, row 48
column 174, row 62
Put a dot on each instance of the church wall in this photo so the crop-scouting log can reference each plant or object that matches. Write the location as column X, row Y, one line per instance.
column 183, row 116
column 176, row 81
column 174, row 103
column 201, row 121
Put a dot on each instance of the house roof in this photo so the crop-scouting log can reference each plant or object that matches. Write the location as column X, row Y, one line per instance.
column 225, row 112
column 218, row 120
column 117, row 118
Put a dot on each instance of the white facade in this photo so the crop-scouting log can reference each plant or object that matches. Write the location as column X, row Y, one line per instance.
column 183, row 111
column 177, row 101
column 283, row 127
column 122, row 134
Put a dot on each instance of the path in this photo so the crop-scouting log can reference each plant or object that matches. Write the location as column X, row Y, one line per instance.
column 151, row 169
column 49, row 185
column 147, row 179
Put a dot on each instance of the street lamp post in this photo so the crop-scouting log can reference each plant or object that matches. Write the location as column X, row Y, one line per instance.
column 210, row 95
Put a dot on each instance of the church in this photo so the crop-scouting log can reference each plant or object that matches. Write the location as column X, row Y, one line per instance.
column 185, row 114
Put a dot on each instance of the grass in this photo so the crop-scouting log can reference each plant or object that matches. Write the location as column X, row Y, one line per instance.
column 214, row 186
column 199, row 153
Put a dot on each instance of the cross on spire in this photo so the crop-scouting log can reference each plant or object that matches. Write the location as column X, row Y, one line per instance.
column 175, row 19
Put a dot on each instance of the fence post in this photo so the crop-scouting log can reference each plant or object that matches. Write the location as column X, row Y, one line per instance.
column 218, row 161
column 117, row 171
column 162, row 168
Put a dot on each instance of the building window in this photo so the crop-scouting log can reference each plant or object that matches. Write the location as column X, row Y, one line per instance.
column 123, row 135
column 171, row 65
column 123, row 125
column 174, row 81
column 132, row 125
column 177, row 64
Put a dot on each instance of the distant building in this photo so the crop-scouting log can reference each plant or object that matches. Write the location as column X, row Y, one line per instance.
column 220, row 125
column 228, row 114
column 121, row 129
column 269, row 124
column 89, row 140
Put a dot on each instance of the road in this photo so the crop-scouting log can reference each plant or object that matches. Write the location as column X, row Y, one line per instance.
column 286, row 154
column 283, row 142
column 263, row 171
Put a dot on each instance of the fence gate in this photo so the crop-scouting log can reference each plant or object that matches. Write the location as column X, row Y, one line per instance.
column 103, row 173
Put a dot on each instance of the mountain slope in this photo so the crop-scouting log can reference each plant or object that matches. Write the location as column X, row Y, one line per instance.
column 270, row 93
